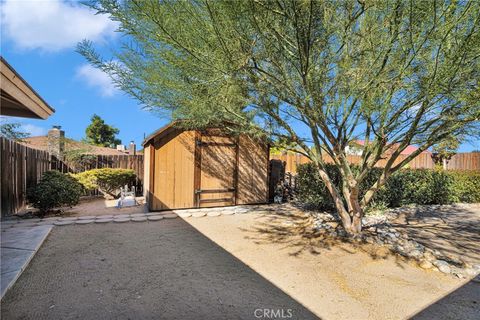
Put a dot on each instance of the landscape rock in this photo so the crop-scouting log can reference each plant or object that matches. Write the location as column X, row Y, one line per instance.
column 443, row 266
column 428, row 255
column 425, row 264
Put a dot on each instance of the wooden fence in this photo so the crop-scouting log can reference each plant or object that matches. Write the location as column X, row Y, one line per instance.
column 460, row 161
column 22, row 167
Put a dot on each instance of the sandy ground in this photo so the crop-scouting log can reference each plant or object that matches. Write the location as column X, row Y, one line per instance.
column 149, row 270
column 226, row 268
column 335, row 280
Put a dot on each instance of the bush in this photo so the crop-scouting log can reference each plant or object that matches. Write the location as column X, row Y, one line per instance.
column 108, row 181
column 55, row 189
column 408, row 186
column 466, row 185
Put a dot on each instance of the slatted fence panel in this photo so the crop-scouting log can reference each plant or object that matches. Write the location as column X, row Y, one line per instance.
column 22, row 167
column 460, row 161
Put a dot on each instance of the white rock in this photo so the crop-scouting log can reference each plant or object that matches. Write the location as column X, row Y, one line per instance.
column 155, row 218
column 103, row 220
column 214, row 214
column 199, row 214
column 443, row 266
column 84, row 221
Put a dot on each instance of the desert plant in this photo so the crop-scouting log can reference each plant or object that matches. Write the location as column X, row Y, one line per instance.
column 106, row 180
column 312, row 75
column 55, row 189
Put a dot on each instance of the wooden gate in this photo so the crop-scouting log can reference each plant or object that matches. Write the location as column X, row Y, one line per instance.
column 216, row 170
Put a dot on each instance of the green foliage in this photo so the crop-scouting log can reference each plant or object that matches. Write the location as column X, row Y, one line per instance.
column 467, row 186
column 419, row 186
column 55, row 189
column 445, row 149
column 392, row 73
column 107, row 180
column 12, row 131
column 79, row 158
column 408, row 186
column 101, row 134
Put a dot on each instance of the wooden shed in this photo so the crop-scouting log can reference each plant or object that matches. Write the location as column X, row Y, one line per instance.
column 192, row 169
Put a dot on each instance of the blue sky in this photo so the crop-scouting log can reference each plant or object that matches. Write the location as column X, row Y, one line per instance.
column 38, row 38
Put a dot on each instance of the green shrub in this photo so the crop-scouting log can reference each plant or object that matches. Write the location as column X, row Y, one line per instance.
column 312, row 191
column 55, row 189
column 408, row 186
column 106, row 180
column 466, row 185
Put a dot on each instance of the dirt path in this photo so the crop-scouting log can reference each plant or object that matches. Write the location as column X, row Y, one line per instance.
column 150, row 270
column 335, row 281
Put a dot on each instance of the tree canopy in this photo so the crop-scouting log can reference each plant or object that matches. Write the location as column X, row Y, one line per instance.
column 99, row 133
column 312, row 75
column 12, row 130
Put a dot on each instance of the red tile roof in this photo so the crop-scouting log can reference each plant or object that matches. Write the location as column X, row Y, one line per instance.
column 407, row 151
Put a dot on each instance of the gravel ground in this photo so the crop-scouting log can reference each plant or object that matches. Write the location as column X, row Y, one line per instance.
column 150, row 270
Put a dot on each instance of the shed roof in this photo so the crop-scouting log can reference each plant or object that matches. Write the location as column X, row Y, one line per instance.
column 163, row 130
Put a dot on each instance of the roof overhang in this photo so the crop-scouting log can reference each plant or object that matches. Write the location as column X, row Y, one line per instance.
column 159, row 132
column 18, row 99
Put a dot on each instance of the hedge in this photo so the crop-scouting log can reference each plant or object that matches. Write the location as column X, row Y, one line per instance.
column 407, row 186
column 55, row 189
column 107, row 180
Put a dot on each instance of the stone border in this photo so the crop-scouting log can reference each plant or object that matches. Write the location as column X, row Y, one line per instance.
column 137, row 217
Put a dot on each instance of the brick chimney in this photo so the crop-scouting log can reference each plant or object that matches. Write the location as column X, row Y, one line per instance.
column 132, row 148
column 56, row 141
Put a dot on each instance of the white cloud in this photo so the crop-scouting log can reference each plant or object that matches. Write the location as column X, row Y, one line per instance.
column 33, row 130
column 96, row 78
column 52, row 25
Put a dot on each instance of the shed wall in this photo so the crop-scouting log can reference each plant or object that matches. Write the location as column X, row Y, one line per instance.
column 171, row 170
column 173, row 167
column 252, row 171
column 147, row 151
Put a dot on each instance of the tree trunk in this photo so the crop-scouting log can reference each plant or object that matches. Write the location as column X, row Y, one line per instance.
column 351, row 218
column 355, row 212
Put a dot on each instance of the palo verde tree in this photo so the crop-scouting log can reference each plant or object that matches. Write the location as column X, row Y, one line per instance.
column 313, row 75
column 99, row 133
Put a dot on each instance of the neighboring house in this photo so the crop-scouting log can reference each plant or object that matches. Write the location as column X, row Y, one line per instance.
column 356, row 148
column 56, row 144
column 18, row 98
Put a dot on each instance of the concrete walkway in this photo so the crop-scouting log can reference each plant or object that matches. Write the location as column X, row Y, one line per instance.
column 18, row 246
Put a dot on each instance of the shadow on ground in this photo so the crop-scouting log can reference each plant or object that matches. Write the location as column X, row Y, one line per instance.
column 453, row 230
column 466, row 300
column 152, row 270
column 297, row 233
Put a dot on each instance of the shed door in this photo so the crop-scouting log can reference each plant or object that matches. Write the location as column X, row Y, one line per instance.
column 218, row 163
